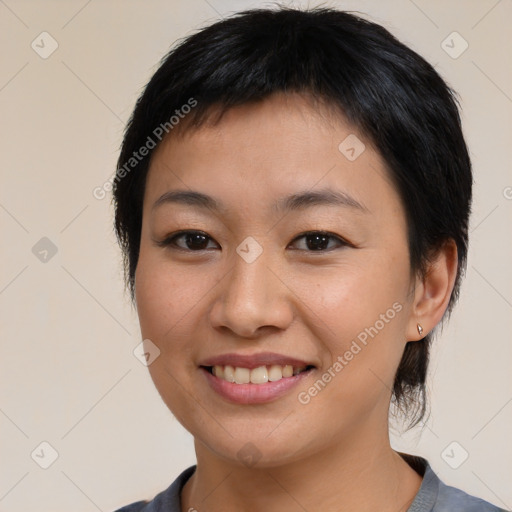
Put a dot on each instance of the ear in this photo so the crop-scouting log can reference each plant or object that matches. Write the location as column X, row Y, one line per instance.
column 433, row 291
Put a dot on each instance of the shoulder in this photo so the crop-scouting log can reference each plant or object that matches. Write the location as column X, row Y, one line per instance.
column 435, row 496
column 450, row 498
column 138, row 506
column 166, row 501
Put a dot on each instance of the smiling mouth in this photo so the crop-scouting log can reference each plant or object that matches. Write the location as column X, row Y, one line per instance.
column 259, row 375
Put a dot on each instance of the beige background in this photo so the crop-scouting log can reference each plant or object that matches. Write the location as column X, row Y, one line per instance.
column 68, row 373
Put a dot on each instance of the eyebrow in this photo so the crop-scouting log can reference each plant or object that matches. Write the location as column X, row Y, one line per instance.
column 294, row 202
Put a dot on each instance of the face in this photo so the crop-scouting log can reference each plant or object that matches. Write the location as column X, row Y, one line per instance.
column 300, row 257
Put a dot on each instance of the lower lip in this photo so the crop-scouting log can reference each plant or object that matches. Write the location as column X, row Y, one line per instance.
column 253, row 393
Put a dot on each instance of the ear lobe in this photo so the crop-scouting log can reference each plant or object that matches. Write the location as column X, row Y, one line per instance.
column 433, row 291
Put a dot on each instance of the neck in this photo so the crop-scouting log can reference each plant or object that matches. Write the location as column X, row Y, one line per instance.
column 364, row 475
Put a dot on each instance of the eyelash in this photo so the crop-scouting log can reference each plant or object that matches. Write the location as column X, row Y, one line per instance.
column 169, row 242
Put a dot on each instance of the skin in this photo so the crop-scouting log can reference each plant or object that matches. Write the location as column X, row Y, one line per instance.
column 333, row 453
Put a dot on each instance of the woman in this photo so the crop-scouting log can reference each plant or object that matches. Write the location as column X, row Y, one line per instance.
column 292, row 199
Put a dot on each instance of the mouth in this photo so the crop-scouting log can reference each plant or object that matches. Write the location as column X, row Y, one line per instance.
column 254, row 378
column 258, row 385
column 259, row 375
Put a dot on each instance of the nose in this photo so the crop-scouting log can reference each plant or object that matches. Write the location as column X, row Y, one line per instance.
column 252, row 299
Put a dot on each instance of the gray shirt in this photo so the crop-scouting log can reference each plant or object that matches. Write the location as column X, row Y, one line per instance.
column 432, row 496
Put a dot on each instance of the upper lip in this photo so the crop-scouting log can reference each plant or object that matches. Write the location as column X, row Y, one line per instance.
column 254, row 360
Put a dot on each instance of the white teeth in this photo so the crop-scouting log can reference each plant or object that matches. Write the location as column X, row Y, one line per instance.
column 229, row 373
column 287, row 371
column 259, row 375
column 275, row 373
column 242, row 375
column 218, row 371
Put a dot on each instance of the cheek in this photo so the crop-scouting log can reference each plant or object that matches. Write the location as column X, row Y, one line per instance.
column 167, row 296
column 349, row 298
column 166, row 309
column 366, row 316
column 163, row 307
column 359, row 312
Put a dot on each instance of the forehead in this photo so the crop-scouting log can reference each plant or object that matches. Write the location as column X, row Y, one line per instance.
column 257, row 153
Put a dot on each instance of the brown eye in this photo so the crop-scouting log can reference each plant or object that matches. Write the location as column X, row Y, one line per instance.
column 187, row 241
column 319, row 241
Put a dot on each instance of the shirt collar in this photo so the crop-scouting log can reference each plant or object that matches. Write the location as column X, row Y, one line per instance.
column 424, row 500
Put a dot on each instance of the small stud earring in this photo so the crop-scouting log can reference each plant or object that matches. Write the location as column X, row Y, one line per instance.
column 420, row 329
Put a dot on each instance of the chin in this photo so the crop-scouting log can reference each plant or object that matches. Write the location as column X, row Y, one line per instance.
column 252, row 452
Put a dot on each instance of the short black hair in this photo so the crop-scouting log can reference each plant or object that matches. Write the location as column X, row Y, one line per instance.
column 385, row 90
